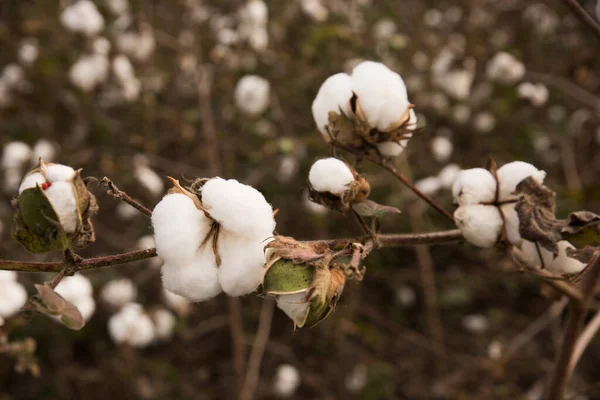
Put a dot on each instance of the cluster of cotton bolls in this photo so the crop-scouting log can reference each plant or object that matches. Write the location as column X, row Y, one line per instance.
column 253, row 18
column 536, row 93
column 12, row 79
column 487, row 209
column 83, row 17
column 213, row 241
column 505, row 68
column 456, row 82
column 381, row 95
column 286, row 381
column 13, row 295
column 17, row 156
column 77, row 290
column 252, row 95
column 443, row 180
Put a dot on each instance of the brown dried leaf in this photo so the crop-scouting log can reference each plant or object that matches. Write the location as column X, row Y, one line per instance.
column 583, row 255
column 299, row 252
column 55, row 305
column 582, row 228
column 369, row 208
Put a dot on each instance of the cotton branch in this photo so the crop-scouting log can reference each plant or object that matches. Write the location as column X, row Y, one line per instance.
column 584, row 16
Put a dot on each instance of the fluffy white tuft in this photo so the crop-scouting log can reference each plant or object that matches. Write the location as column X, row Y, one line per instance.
column 82, row 16
column 392, row 149
column 511, row 174
column 77, row 289
column 31, row 181
column 15, row 154
column 43, row 149
column 62, row 198
column 164, row 323
column 8, row 276
column 286, row 380
column 242, row 268
column 562, row 264
column 294, row 306
column 149, row 179
column 58, row 173
column 118, row 292
column 333, row 96
column 473, row 186
column 481, row 225
column 89, row 71
column 448, row 175
column 177, row 303
column 442, row 148
column 505, row 68
column 429, row 185
column 13, row 296
column 131, row 326
column 252, row 95
column 512, row 224
column 330, row 175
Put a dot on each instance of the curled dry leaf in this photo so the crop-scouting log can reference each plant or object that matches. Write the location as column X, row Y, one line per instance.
column 369, row 208
column 55, row 305
column 311, row 253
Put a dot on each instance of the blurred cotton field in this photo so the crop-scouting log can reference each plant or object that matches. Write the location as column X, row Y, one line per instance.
column 138, row 90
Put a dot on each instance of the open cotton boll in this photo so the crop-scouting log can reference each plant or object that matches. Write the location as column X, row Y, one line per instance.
column 149, row 179
column 392, row 149
column 315, row 10
column 118, row 292
column 89, row 71
column 177, row 303
column 82, row 16
column 195, row 279
column 357, row 379
column 286, row 380
column 242, row 264
column 511, row 219
column 473, row 186
column 13, row 296
column 295, row 306
column 31, row 181
column 252, row 95
column 254, row 13
column 58, row 173
column 15, row 154
column 481, row 225
column 442, row 148
column 511, row 174
column 131, row 326
column 448, row 175
column 429, row 185
column 505, row 68
column 238, row 208
column 330, row 175
column 179, row 228
column 381, row 93
column 164, row 323
column 562, row 264
column 8, row 276
column 86, row 307
column 333, row 96
column 77, row 289
column 62, row 198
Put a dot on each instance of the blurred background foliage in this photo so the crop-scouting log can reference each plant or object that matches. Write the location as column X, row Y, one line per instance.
column 380, row 332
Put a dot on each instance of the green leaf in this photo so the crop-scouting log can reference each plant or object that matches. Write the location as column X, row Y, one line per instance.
column 36, row 211
column 369, row 208
column 54, row 305
column 285, row 277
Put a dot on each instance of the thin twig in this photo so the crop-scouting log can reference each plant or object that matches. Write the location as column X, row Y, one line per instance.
column 258, row 349
column 584, row 17
column 572, row 90
column 114, row 191
column 589, row 332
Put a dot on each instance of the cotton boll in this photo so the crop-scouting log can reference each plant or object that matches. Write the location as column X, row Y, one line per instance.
column 137, row 45
column 101, row 46
column 117, row 7
column 333, row 96
column 126, row 211
column 258, row 39
column 62, row 198
column 511, row 219
column 384, row 29
column 429, row 185
column 31, row 181
column 164, row 324
column 131, row 326
column 13, row 296
column 536, row 93
column 473, row 186
column 86, row 307
column 118, row 292
column 505, row 68
column 562, row 264
column 312, row 207
column 43, row 149
column 196, row 279
column 448, row 175
column 149, row 180
column 484, row 122
column 8, row 276
column 315, row 10
column 12, row 75
column 239, row 208
column 511, row 174
column 177, row 303
column 89, row 71
column 476, row 323
column 286, row 380
column 330, row 175
column 295, row 306
column 28, row 51
column 252, row 95
column 242, row 268
column 357, row 380
column 15, row 155
column 83, row 17
column 480, row 225
column 442, row 148
column 58, row 173
column 381, row 93
column 77, row 289
column 179, row 228
column 254, row 13
column 288, row 168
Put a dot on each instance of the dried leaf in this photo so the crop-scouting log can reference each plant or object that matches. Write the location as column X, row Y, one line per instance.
column 582, row 229
column 369, row 208
column 299, row 252
column 583, row 255
column 55, row 305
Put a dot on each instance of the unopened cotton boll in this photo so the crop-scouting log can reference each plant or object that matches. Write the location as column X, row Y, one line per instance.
column 448, row 175
column 164, row 324
column 242, row 267
column 562, row 264
column 442, row 148
column 330, row 175
column 286, row 380
column 43, row 149
column 118, row 292
column 252, row 95
column 83, row 17
column 511, row 174
column 179, row 228
column 15, row 155
column 381, row 93
column 13, row 296
column 295, row 305
column 481, row 225
column 333, row 96
column 77, row 289
column 429, row 185
column 505, row 68
column 63, row 200
column 131, row 326
column 474, row 186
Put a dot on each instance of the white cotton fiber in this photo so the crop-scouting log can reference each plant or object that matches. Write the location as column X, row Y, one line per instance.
column 13, row 296
column 286, row 380
column 481, row 225
column 15, row 154
column 442, row 148
column 392, row 149
column 242, row 268
column 119, row 292
column 448, row 175
column 179, row 228
column 333, row 95
column 175, row 302
column 43, row 149
column 381, row 93
column 131, row 326
column 294, row 306
column 512, row 224
column 330, row 175
column 473, row 186
column 8, row 276
column 252, row 94
column 511, row 174
column 164, row 324
column 562, row 264
column 58, row 173
column 82, row 16
column 239, row 208
column 62, row 198
column 429, row 185
column 77, row 289
column 31, row 181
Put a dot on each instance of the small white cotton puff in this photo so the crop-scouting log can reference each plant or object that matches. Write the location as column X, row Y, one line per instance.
column 177, row 303
column 505, row 68
column 562, row 264
column 242, row 264
column 89, row 71
column 58, row 173
column 77, row 289
column 64, row 203
column 131, row 326
column 15, row 154
column 179, row 228
column 473, row 186
column 481, row 225
column 286, row 380
column 381, row 93
column 333, row 96
column 429, row 185
column 448, row 175
column 8, row 275
column 392, row 149
column 252, row 95
column 13, row 296
column 43, row 149
column 442, row 148
column 84, row 17
column 164, row 324
column 512, row 224
column 330, row 175
column 239, row 208
column 31, row 181
column 293, row 305
column 511, row 174
column 149, row 179
column 118, row 292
